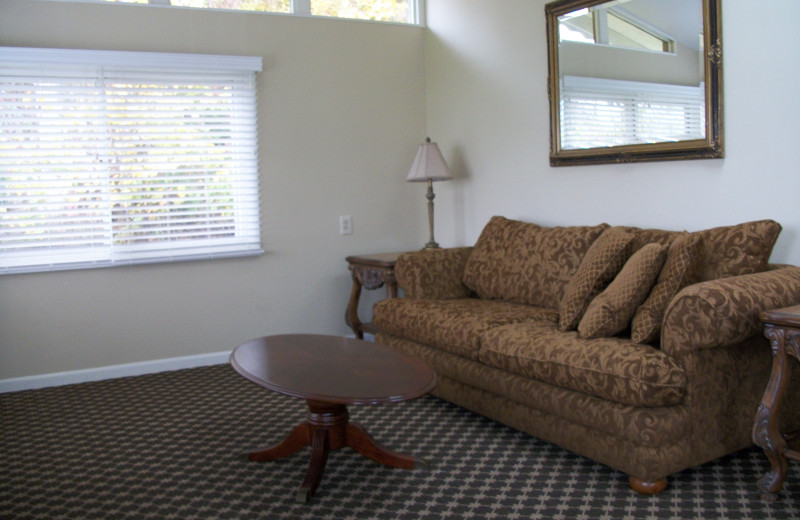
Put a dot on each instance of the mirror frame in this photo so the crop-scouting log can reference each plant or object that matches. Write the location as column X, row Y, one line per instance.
column 712, row 147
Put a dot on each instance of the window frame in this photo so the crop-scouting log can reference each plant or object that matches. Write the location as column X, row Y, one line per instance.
column 301, row 8
column 599, row 31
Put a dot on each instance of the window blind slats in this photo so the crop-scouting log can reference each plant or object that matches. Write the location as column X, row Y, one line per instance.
column 106, row 165
column 599, row 112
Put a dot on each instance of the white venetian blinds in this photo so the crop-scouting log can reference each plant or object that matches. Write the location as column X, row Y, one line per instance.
column 111, row 158
column 600, row 112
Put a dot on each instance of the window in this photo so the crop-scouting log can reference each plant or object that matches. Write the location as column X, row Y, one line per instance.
column 601, row 112
column 114, row 158
column 613, row 26
column 379, row 10
column 399, row 11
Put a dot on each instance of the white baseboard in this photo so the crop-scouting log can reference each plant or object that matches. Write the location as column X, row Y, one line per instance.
column 111, row 372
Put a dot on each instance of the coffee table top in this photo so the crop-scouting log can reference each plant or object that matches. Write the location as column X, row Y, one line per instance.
column 332, row 369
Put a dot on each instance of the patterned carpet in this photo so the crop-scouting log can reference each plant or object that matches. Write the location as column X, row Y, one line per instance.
column 168, row 445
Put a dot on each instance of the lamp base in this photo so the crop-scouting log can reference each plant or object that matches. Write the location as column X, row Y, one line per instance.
column 430, row 196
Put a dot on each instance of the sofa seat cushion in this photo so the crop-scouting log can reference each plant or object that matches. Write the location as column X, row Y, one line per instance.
column 452, row 325
column 609, row 368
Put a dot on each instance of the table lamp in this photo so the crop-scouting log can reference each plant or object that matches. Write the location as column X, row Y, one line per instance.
column 429, row 166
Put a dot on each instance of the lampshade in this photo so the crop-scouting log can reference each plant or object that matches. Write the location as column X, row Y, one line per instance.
column 429, row 164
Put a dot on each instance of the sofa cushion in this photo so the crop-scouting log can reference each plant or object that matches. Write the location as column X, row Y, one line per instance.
column 740, row 249
column 649, row 236
column 451, row 325
column 602, row 262
column 525, row 263
column 612, row 310
column 609, row 368
column 680, row 269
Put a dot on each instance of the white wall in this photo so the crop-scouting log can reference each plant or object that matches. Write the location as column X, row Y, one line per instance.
column 682, row 67
column 488, row 110
column 341, row 113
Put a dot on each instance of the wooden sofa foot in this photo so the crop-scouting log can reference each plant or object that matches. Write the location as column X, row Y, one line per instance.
column 647, row 488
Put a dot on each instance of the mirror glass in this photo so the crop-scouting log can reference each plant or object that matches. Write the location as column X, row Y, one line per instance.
column 634, row 80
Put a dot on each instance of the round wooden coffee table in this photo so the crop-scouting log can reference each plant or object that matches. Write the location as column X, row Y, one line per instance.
column 331, row 372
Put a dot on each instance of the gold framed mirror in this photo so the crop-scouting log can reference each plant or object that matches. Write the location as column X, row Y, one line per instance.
column 634, row 80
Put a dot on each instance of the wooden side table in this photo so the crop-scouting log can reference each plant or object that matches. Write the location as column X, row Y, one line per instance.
column 370, row 272
column 782, row 328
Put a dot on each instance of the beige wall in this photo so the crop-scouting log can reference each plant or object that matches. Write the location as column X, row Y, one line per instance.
column 342, row 108
column 487, row 107
column 341, row 112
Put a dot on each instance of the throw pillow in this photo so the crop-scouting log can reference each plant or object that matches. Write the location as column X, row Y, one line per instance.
column 602, row 262
column 741, row 249
column 680, row 269
column 611, row 311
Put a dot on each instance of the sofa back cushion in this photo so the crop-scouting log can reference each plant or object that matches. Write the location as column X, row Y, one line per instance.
column 650, row 236
column 526, row 263
column 735, row 250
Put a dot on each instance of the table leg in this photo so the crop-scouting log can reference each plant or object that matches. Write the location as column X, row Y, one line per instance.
column 327, row 429
column 316, row 467
column 363, row 443
column 351, row 314
column 766, row 433
column 295, row 441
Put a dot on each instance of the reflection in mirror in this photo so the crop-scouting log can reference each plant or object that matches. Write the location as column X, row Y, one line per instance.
column 634, row 80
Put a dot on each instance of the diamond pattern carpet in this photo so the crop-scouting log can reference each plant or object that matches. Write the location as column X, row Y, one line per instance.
column 168, row 446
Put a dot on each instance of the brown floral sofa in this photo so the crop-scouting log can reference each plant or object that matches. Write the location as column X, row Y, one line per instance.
column 638, row 348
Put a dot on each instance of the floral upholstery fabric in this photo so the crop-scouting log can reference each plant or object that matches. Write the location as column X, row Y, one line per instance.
column 649, row 426
column 601, row 264
column 680, row 269
column 433, row 274
column 525, row 263
column 740, row 249
column 631, row 457
column 452, row 325
column 644, row 411
column 725, row 311
column 612, row 310
column 650, row 236
column 609, row 368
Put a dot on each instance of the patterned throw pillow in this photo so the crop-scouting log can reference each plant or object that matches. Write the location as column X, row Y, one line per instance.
column 734, row 250
column 680, row 269
column 611, row 311
column 601, row 264
column 525, row 263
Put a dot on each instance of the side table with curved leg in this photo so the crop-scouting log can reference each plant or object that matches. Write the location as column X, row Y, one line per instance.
column 782, row 328
column 370, row 272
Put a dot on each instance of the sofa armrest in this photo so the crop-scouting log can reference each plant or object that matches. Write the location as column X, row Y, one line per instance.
column 433, row 274
column 725, row 311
